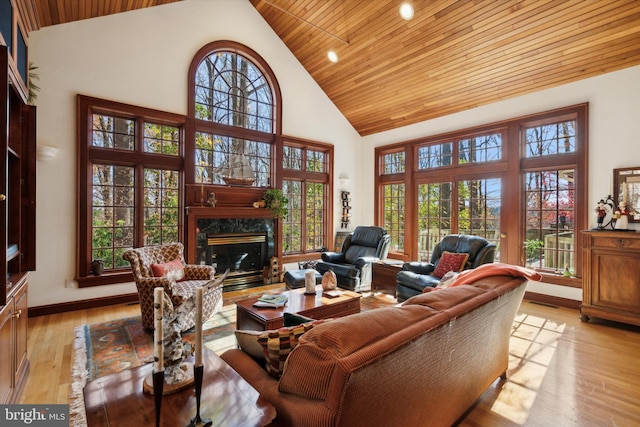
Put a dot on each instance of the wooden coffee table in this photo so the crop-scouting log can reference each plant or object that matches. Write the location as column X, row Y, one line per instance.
column 315, row 306
column 227, row 399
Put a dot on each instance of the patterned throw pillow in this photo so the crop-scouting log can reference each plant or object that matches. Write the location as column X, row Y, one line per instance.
column 278, row 344
column 172, row 270
column 450, row 261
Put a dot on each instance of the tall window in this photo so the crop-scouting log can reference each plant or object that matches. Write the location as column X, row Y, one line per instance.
column 139, row 168
column 393, row 197
column 234, row 108
column 394, row 214
column 434, row 216
column 476, row 212
column 306, row 185
column 448, row 200
column 521, row 184
column 132, row 191
column 550, row 194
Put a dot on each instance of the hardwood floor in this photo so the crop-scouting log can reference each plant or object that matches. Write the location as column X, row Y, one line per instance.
column 562, row 372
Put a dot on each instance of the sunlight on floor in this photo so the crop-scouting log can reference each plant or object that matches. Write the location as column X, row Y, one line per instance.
column 532, row 347
column 223, row 344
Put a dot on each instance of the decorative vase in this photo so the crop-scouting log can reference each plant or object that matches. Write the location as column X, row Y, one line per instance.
column 97, row 267
column 310, row 282
column 329, row 281
column 622, row 223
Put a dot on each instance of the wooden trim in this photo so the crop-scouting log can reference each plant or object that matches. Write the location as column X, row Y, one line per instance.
column 509, row 169
column 251, row 55
column 122, row 275
column 4, row 146
column 551, row 300
column 87, row 155
column 44, row 310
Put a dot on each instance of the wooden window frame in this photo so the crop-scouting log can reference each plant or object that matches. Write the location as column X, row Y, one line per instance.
column 87, row 155
column 511, row 166
column 326, row 178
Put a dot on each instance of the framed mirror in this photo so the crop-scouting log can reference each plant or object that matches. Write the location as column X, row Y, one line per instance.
column 626, row 187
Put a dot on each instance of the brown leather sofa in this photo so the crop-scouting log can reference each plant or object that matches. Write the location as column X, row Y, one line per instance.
column 420, row 364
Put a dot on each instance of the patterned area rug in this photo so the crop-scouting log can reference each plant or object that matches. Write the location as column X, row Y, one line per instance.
column 123, row 344
column 105, row 348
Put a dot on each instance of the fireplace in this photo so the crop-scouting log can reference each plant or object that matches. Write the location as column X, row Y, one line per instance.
column 242, row 245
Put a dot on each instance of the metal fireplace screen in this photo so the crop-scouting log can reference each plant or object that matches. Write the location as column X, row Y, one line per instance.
column 244, row 254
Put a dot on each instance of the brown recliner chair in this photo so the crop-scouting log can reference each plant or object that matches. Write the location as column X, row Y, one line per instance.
column 178, row 290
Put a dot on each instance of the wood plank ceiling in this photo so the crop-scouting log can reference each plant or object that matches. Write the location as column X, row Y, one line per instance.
column 453, row 55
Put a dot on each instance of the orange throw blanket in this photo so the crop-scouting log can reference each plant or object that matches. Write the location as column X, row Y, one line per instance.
column 494, row 269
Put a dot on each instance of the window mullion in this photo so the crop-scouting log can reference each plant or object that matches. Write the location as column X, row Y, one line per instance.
column 139, row 206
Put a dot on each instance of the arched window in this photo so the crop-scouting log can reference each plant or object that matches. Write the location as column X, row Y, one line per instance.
column 234, row 105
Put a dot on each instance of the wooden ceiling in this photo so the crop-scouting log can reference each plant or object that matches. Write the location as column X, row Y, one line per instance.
column 52, row 12
column 453, row 55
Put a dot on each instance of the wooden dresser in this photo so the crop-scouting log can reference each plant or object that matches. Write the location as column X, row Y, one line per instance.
column 611, row 288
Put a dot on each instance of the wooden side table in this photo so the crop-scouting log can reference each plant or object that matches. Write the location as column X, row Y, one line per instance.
column 383, row 276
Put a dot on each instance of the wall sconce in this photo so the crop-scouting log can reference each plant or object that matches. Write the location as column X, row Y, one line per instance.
column 344, row 180
column 46, row 153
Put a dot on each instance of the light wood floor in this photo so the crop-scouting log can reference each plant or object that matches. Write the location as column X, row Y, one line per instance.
column 562, row 372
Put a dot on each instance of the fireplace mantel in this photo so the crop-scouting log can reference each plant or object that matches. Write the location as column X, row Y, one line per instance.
column 227, row 212
column 231, row 203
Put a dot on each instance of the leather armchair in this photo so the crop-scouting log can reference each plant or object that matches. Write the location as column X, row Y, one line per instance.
column 416, row 276
column 352, row 266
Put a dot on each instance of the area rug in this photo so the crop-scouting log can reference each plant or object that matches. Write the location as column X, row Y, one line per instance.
column 104, row 348
column 124, row 343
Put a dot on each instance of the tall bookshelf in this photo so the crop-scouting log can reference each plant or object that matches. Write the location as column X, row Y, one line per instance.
column 17, row 201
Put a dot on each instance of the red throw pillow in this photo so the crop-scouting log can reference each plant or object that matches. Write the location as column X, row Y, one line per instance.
column 450, row 261
column 172, row 270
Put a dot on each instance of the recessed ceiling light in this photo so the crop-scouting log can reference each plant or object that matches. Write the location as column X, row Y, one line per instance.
column 406, row 11
column 333, row 57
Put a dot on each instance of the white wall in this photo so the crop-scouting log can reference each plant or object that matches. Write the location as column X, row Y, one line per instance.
column 614, row 126
column 142, row 58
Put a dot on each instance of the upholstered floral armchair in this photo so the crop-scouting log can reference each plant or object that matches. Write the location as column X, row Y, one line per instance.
column 164, row 266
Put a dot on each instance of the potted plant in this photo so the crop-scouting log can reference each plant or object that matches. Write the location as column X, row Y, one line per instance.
column 276, row 202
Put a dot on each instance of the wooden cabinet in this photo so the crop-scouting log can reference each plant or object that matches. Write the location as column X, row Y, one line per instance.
column 13, row 348
column 17, row 206
column 611, row 288
column 17, row 181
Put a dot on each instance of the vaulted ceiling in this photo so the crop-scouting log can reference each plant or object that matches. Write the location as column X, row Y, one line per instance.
column 452, row 56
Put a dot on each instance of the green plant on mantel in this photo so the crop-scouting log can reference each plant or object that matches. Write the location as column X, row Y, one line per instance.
column 276, row 202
